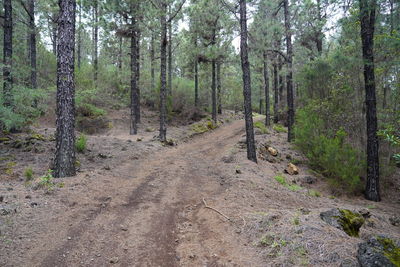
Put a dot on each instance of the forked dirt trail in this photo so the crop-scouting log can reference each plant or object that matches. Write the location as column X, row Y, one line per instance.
column 136, row 216
column 200, row 203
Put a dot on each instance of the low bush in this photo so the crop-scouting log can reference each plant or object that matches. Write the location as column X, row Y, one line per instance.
column 260, row 125
column 81, row 143
column 329, row 155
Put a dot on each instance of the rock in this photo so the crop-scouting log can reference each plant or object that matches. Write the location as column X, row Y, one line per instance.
column 365, row 213
column 273, row 151
column 7, row 209
column 349, row 263
column 378, row 251
column 102, row 156
column 345, row 220
column 292, row 169
column 107, row 168
column 4, row 139
column 139, row 139
column 114, row 260
column 309, row 180
column 1, row 198
column 238, row 171
column 395, row 220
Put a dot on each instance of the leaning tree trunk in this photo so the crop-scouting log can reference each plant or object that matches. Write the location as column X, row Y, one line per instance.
column 134, row 87
column 163, row 73
column 32, row 43
column 64, row 161
column 276, row 93
column 266, row 87
column 251, row 148
column 367, row 18
column 7, row 53
column 289, row 76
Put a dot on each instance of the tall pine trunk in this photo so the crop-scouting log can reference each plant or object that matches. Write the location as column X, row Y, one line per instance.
column 152, row 62
column 219, row 93
column 276, row 94
column 248, row 113
column 64, row 161
column 7, row 53
column 289, row 76
column 32, row 43
column 96, row 41
column 163, row 73
column 120, row 43
column 134, row 87
column 214, row 90
column 367, row 18
column 80, row 35
column 170, row 57
column 196, row 83
column 266, row 88
column 138, row 35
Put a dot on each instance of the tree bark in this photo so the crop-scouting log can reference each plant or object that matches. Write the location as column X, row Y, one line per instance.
column 134, row 78
column 152, row 62
column 196, row 83
column 7, row 53
column 80, row 36
column 120, row 40
column 170, row 57
column 64, row 161
column 289, row 76
column 367, row 18
column 219, row 93
column 163, row 73
column 213, row 91
column 251, row 148
column 138, row 34
column 266, row 88
column 32, row 43
column 276, row 94
column 96, row 41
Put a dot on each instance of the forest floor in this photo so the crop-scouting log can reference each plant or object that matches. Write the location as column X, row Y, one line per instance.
column 135, row 202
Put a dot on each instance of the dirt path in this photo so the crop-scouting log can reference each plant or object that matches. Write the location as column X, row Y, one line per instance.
column 136, row 216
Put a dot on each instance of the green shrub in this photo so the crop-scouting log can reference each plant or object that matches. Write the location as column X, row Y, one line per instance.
column 280, row 179
column 80, row 143
column 331, row 156
column 260, row 125
column 279, row 128
column 28, row 173
column 89, row 110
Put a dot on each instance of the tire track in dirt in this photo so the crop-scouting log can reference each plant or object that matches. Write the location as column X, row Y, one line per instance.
column 149, row 206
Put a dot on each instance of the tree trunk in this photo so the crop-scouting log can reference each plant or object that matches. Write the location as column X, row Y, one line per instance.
column 214, row 91
column 219, row 93
column 80, row 35
column 196, row 83
column 367, row 18
column 54, row 32
column 276, row 93
column 120, row 42
column 96, row 41
column 32, row 43
column 251, row 148
column 289, row 78
column 134, row 87
column 163, row 73
column 64, row 161
column 7, row 53
column 281, row 85
column 266, row 87
column 152, row 62
column 138, row 34
column 170, row 57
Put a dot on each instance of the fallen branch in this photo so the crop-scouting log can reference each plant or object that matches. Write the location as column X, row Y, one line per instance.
column 217, row 211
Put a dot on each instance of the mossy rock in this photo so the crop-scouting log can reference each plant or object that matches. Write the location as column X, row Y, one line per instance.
column 348, row 221
column 37, row 136
column 379, row 251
